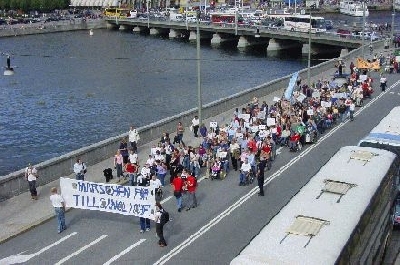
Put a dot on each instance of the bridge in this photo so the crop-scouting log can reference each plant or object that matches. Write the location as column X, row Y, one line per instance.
column 275, row 38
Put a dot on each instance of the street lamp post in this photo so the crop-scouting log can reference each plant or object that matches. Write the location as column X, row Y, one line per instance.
column 309, row 56
column 148, row 14
column 198, row 68
column 363, row 30
column 392, row 27
column 236, row 18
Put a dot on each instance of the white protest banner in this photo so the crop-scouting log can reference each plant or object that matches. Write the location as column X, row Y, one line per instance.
column 276, row 99
column 246, row 117
column 213, row 124
column 270, row 121
column 239, row 135
column 262, row 126
column 310, row 112
column 261, row 115
column 112, row 198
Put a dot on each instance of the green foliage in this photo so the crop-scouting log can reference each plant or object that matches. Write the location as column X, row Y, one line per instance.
column 31, row 5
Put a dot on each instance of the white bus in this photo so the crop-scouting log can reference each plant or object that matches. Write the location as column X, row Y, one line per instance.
column 341, row 216
column 302, row 23
column 386, row 135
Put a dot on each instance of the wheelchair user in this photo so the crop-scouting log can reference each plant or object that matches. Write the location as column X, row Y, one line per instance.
column 245, row 171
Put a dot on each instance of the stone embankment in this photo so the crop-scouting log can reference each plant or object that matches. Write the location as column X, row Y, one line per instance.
column 51, row 27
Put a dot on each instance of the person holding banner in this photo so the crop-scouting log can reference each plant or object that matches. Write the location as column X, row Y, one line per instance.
column 59, row 206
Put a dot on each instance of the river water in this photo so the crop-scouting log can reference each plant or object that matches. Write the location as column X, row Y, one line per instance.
column 71, row 90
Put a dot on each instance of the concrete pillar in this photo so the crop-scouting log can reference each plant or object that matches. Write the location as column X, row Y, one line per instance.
column 273, row 45
column 305, row 49
column 243, row 42
column 344, row 52
column 136, row 29
column 172, row 34
column 216, row 39
column 192, row 35
column 123, row 27
column 154, row 31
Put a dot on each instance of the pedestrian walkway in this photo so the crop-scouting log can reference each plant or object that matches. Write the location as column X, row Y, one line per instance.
column 20, row 213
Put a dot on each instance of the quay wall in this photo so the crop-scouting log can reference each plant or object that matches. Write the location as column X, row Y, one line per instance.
column 51, row 27
column 50, row 170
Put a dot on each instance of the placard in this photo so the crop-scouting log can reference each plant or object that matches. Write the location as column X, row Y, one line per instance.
column 261, row 115
column 254, row 129
column 301, row 97
column 262, row 127
column 363, row 78
column 263, row 134
column 316, row 94
column 326, row 104
column 246, row 117
column 271, row 122
column 310, row 112
column 113, row 198
column 246, row 124
column 239, row 135
column 276, row 99
column 222, row 154
column 213, row 124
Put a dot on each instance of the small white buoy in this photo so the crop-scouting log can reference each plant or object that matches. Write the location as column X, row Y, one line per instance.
column 9, row 71
column 91, row 32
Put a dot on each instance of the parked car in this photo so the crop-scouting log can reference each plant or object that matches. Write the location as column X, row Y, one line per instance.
column 328, row 24
column 344, row 33
column 396, row 213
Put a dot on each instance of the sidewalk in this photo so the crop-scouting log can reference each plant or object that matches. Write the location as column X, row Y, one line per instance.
column 21, row 213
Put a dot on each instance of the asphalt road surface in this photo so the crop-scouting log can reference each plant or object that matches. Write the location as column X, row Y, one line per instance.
column 228, row 216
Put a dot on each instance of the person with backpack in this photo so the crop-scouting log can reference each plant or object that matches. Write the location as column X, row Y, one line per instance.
column 161, row 218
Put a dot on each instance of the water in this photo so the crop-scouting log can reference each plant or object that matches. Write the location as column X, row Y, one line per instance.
column 71, row 90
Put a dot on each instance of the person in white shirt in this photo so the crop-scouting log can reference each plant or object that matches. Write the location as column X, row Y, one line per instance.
column 78, row 169
column 244, row 170
column 133, row 157
column 195, row 125
column 145, row 172
column 133, row 138
column 59, row 206
column 150, row 160
column 31, row 176
column 352, row 108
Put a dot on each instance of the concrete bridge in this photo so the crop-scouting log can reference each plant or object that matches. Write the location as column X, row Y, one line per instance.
column 275, row 39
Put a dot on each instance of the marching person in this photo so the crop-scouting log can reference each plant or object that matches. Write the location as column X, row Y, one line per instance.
column 260, row 175
column 383, row 81
column 195, row 125
column 59, row 206
column 31, row 176
column 159, row 225
column 134, row 137
column 191, row 184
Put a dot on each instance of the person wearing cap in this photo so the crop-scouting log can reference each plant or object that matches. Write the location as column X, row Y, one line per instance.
column 59, row 207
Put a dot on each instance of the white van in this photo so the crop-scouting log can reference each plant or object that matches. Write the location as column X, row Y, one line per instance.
column 176, row 17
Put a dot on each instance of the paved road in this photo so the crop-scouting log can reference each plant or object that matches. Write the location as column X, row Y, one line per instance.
column 214, row 233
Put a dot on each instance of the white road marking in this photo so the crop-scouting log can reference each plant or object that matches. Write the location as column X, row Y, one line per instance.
column 175, row 251
column 21, row 258
column 125, row 251
column 81, row 249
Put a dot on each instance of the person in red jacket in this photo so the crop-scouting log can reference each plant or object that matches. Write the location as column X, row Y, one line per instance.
column 177, row 184
column 293, row 141
column 191, row 184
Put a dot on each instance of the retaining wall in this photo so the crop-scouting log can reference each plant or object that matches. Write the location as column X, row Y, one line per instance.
column 50, row 170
